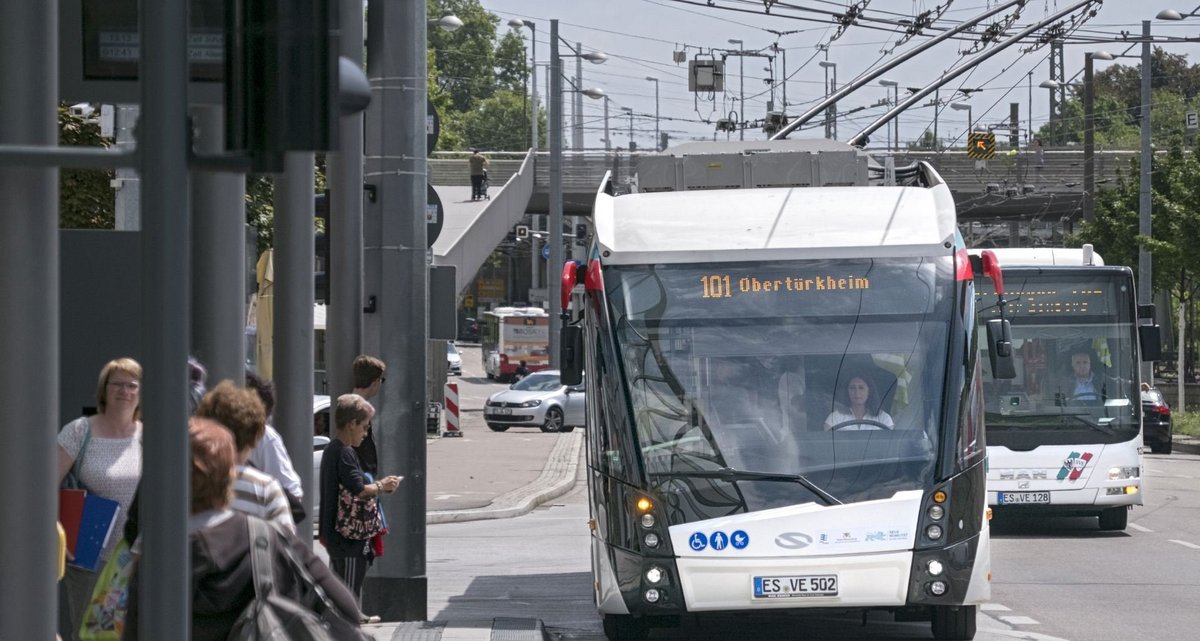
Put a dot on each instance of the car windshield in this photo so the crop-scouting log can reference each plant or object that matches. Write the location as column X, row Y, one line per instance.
column 451, row 350
column 538, row 383
column 741, row 375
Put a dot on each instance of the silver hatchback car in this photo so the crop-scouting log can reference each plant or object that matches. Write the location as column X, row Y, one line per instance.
column 538, row 400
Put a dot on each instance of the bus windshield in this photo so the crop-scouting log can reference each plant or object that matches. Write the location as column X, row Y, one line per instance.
column 1072, row 336
column 762, row 384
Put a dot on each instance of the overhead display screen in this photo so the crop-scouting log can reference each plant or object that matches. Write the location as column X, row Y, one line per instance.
column 1049, row 295
column 112, row 44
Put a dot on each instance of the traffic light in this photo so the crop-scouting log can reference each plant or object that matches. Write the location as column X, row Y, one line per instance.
column 581, row 231
column 321, row 274
column 285, row 85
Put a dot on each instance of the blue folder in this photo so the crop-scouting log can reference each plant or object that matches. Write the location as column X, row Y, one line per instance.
column 96, row 525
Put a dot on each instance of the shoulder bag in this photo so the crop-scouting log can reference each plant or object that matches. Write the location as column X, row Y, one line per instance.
column 73, row 480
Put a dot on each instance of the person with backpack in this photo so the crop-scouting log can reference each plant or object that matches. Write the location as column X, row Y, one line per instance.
column 224, row 563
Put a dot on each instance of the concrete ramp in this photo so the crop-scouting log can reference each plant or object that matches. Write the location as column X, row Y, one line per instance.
column 473, row 229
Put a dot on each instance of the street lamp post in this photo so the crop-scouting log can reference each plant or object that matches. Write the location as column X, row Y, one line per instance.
column 831, row 111
column 741, row 91
column 963, row 106
column 1089, row 132
column 554, row 284
column 607, row 137
column 594, row 57
column 657, row 136
column 629, row 110
column 895, row 121
column 533, row 98
column 1171, row 14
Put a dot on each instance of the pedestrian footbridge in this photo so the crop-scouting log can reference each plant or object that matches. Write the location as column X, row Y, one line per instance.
column 1010, row 188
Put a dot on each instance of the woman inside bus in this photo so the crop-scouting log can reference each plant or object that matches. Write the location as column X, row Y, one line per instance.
column 858, row 408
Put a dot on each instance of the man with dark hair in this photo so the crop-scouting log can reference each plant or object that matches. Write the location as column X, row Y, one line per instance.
column 368, row 379
column 271, row 455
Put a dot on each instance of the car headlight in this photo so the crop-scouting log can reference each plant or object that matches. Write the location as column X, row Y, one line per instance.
column 533, row 403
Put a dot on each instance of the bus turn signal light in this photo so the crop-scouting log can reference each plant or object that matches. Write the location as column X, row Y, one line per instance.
column 644, row 505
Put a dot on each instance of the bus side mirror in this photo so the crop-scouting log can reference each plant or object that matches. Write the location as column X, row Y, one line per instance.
column 571, row 370
column 1000, row 351
column 1151, row 341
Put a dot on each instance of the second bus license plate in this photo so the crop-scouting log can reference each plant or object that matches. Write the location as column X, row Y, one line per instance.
column 1024, row 498
column 786, row 587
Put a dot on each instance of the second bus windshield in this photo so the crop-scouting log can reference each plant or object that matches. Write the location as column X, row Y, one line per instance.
column 1073, row 336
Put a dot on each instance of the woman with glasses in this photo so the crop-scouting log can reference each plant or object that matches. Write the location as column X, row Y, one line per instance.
column 105, row 451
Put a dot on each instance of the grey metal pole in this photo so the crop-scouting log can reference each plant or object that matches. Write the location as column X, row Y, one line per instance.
column 553, row 282
column 29, row 323
column 784, row 81
column 219, row 259
column 293, row 328
column 833, row 105
column 1145, row 282
column 166, row 292
column 607, row 140
column 129, row 184
column 535, row 255
column 937, row 109
column 1089, row 140
column 344, row 168
column 397, row 163
column 658, row 137
column 741, row 99
column 828, row 110
column 533, row 82
column 577, row 130
column 1029, row 116
column 896, row 120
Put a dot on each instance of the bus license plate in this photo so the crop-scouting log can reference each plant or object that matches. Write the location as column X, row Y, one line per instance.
column 787, row 587
column 1024, row 498
column 502, row 410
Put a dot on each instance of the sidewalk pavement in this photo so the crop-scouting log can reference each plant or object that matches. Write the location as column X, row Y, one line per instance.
column 489, row 475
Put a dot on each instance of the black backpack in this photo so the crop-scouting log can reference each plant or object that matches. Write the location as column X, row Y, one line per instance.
column 273, row 616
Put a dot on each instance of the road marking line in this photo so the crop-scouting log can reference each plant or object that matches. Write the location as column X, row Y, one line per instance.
column 1186, row 544
column 1018, row 620
column 1140, row 528
column 993, row 607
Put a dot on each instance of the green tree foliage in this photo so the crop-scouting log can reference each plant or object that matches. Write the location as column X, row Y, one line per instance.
column 477, row 80
column 85, row 196
column 1175, row 88
column 1175, row 221
column 500, row 122
column 465, row 59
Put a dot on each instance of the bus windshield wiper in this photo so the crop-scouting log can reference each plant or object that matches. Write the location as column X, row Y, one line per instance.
column 730, row 474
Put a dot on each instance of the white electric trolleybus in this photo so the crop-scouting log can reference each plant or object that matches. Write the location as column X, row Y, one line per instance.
column 785, row 408
column 1065, row 434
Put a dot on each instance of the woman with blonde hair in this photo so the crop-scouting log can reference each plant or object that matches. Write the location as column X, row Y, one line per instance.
column 105, row 453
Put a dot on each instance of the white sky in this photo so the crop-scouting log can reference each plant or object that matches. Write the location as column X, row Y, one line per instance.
column 641, row 35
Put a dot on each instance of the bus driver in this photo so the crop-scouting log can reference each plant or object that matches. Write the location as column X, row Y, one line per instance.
column 860, row 403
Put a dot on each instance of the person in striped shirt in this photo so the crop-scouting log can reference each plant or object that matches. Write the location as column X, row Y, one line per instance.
column 242, row 413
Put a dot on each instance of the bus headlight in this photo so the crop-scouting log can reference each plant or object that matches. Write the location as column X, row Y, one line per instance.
column 935, row 567
column 647, row 520
column 652, row 595
column 937, row 588
column 934, row 532
column 936, row 512
column 651, row 540
column 655, row 575
column 1127, row 472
